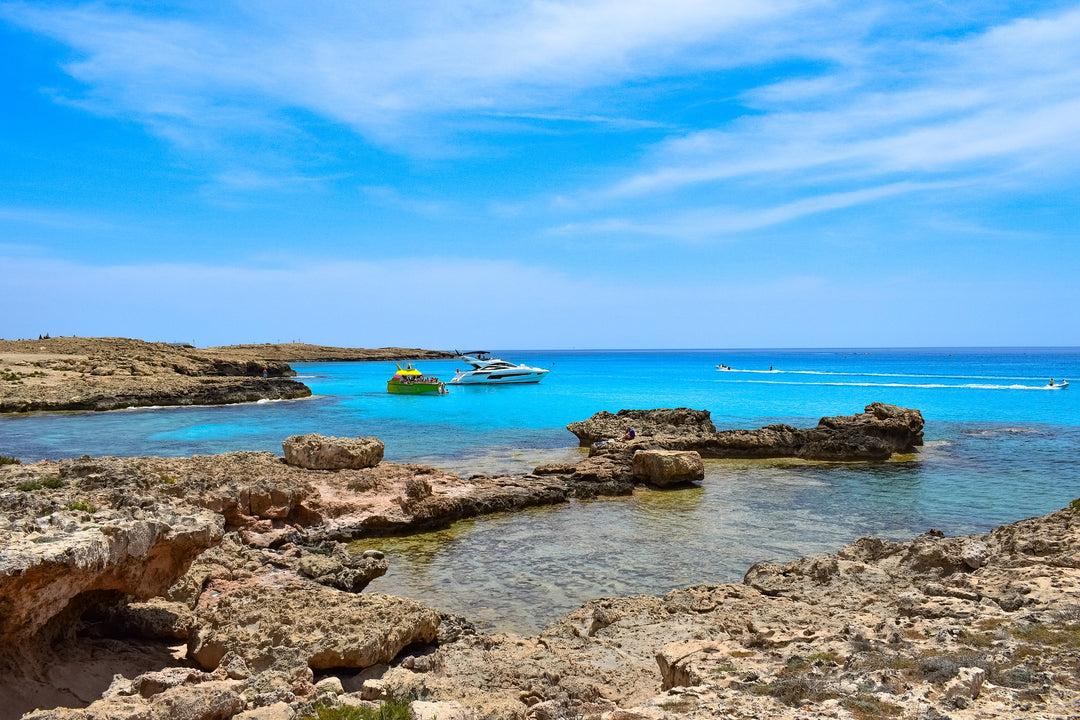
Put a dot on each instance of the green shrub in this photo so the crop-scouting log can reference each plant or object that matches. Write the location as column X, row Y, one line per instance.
column 82, row 506
column 869, row 707
column 28, row 486
column 5, row 460
column 53, row 482
column 397, row 709
column 679, row 705
column 795, row 691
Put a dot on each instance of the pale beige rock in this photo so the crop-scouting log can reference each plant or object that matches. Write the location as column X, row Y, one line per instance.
column 318, row 452
column 967, row 684
column 304, row 622
column 675, row 661
column 330, row 684
column 452, row 710
column 42, row 569
column 276, row 711
column 667, row 467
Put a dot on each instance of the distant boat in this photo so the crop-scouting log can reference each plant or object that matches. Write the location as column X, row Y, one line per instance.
column 1058, row 386
column 410, row 381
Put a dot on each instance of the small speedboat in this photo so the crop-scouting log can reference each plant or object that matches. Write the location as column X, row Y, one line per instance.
column 1058, row 386
column 410, row 381
column 487, row 370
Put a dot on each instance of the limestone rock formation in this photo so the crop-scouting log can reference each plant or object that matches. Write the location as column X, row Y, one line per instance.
column 318, row 452
column 875, row 434
column 668, row 467
column 294, row 620
column 49, row 563
column 880, row 629
column 962, row 627
column 679, row 422
column 112, row 373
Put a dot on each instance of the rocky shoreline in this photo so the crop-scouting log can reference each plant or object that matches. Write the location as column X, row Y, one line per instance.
column 218, row 587
column 56, row 374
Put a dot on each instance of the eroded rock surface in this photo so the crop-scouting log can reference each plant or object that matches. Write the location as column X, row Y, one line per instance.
column 318, row 452
column 113, row 373
column 668, row 467
column 875, row 434
column 973, row 627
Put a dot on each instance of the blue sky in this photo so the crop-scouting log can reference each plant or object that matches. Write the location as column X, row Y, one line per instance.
column 552, row 174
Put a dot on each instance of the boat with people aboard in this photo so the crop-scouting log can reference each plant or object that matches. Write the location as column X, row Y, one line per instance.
column 410, row 381
column 487, row 370
column 1058, row 386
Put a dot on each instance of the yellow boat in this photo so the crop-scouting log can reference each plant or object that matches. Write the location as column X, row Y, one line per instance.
column 410, row 381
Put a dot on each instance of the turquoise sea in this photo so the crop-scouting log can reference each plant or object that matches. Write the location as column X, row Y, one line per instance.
column 1000, row 446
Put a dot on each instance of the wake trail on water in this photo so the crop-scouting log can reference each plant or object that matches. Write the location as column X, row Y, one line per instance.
column 977, row 386
column 896, row 375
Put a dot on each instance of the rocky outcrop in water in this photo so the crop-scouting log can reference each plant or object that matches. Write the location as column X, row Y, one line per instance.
column 876, row 434
column 667, row 467
column 974, row 627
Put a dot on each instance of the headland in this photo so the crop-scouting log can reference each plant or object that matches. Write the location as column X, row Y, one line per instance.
column 70, row 373
column 218, row 587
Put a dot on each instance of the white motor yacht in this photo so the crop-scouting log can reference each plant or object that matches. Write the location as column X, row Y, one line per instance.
column 487, row 370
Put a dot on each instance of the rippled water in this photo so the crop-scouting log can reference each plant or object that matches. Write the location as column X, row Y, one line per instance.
column 520, row 571
column 1001, row 446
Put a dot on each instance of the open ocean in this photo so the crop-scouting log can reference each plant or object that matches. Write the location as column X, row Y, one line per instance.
column 1000, row 446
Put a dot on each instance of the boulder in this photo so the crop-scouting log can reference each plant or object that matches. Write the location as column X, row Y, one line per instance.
column 318, row 452
column 306, row 623
column 668, row 467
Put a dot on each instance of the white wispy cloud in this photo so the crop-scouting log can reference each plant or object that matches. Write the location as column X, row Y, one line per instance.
column 885, row 98
column 992, row 101
column 710, row 222
column 372, row 65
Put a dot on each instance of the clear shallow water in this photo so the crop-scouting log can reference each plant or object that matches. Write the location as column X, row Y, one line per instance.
column 1000, row 447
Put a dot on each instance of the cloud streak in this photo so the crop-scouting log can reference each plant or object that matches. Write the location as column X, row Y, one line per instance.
column 997, row 101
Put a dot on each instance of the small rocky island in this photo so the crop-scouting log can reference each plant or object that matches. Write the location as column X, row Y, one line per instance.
column 69, row 373
column 218, row 586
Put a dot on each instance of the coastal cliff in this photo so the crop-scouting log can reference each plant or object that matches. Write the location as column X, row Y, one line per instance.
column 67, row 373
column 216, row 587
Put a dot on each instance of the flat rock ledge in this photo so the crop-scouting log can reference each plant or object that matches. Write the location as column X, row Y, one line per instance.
column 876, row 434
column 55, row 374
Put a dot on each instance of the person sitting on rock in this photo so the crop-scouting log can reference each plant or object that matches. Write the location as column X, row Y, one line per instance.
column 630, row 434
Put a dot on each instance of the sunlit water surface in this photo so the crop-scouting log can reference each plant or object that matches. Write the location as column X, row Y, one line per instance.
column 1001, row 446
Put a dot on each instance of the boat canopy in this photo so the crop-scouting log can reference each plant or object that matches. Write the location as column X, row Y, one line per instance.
column 407, row 372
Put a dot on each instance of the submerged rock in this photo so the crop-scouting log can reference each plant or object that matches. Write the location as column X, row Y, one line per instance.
column 668, row 467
